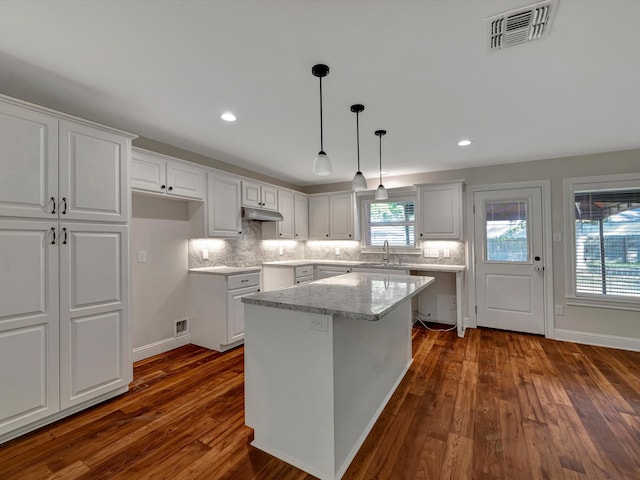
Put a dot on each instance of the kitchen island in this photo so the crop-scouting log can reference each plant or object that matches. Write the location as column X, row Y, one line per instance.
column 321, row 362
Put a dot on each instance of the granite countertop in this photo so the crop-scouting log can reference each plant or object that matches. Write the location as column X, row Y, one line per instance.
column 225, row 271
column 426, row 267
column 361, row 296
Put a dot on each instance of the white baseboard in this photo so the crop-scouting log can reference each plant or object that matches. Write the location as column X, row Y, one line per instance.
column 599, row 340
column 146, row 351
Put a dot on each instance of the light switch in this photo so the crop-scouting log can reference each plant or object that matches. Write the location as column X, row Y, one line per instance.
column 431, row 252
column 142, row 256
column 557, row 237
column 205, row 254
column 337, row 252
column 445, row 253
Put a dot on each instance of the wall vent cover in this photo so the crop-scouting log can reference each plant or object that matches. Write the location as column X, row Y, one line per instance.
column 519, row 26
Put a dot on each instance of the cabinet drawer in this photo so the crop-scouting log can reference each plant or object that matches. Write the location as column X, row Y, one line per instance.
column 304, row 271
column 243, row 280
column 300, row 280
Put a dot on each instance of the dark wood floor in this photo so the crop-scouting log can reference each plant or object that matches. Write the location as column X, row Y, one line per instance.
column 494, row 405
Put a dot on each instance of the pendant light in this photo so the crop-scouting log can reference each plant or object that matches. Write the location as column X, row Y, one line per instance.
column 381, row 192
column 359, row 183
column 321, row 164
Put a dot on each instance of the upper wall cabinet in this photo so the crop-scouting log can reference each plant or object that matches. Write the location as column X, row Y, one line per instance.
column 223, row 207
column 258, row 195
column 332, row 217
column 56, row 168
column 163, row 175
column 440, row 215
column 294, row 226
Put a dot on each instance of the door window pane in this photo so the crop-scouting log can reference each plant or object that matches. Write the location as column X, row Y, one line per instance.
column 506, row 232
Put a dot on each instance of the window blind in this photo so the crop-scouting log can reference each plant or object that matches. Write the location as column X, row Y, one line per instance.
column 392, row 220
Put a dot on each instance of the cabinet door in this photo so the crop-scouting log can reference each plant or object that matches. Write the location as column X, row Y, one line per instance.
column 285, row 207
column 28, row 323
column 93, row 174
column 95, row 355
column 28, row 163
column 319, row 217
column 185, row 181
column 251, row 194
column 440, row 211
column 148, row 173
column 235, row 313
column 269, row 196
column 301, row 217
column 341, row 216
column 224, row 215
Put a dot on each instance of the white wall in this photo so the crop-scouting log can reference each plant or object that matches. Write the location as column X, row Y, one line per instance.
column 589, row 325
column 159, row 286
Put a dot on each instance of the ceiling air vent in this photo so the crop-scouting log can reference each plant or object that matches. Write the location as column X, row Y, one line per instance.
column 519, row 26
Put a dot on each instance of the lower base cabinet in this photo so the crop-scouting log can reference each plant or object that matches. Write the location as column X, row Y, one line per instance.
column 216, row 309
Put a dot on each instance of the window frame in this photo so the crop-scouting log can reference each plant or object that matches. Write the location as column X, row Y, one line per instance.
column 582, row 184
column 395, row 195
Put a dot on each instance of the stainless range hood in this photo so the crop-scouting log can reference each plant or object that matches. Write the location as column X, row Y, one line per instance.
column 261, row 215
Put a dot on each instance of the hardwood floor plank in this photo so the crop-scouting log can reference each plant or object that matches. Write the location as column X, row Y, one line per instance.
column 492, row 405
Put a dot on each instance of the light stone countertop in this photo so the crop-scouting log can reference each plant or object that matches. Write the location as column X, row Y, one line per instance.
column 361, row 296
column 225, row 271
column 425, row 267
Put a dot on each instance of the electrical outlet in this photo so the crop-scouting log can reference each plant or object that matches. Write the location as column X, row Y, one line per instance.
column 142, row 256
column 281, row 251
column 337, row 252
column 445, row 253
column 205, row 254
column 431, row 252
column 559, row 309
column 319, row 323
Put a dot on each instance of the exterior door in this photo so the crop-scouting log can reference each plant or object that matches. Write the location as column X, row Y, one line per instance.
column 509, row 271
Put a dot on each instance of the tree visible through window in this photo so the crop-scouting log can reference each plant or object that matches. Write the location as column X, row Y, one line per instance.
column 392, row 220
column 607, row 242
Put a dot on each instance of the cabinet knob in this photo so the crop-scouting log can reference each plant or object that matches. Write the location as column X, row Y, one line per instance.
column 280, row 234
column 162, row 187
column 297, row 235
column 327, row 235
column 239, row 233
column 349, row 234
column 170, row 189
column 420, row 234
column 258, row 290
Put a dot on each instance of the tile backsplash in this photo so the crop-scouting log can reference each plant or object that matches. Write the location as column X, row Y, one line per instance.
column 249, row 250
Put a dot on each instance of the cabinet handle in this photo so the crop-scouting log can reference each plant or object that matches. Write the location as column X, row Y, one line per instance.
column 53, row 233
column 53, row 211
column 170, row 189
column 162, row 187
column 244, row 281
column 349, row 234
column 66, row 235
column 64, row 208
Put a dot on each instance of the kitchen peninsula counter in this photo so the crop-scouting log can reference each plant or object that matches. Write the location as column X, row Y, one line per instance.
column 321, row 362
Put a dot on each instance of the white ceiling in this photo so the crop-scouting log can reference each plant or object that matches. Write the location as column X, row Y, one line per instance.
column 167, row 70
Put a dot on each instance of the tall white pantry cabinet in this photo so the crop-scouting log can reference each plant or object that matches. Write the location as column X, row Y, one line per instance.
column 64, row 265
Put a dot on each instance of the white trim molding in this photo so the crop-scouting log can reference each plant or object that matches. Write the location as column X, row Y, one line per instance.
column 598, row 339
column 162, row 346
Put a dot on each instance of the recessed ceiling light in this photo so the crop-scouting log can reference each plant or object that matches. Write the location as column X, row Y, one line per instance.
column 464, row 143
column 228, row 117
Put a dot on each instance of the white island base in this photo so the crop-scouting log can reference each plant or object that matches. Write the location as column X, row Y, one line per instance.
column 316, row 384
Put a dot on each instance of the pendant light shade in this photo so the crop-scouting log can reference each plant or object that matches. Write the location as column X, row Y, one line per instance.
column 381, row 192
column 321, row 164
column 359, row 183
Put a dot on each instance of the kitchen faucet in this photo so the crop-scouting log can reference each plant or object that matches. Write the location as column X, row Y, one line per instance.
column 385, row 256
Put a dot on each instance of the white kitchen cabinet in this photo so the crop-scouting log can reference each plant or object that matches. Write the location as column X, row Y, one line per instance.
column 164, row 175
column 301, row 216
column 319, row 217
column 258, row 195
column 216, row 309
column 56, row 168
column 224, row 215
column 440, row 211
column 326, row 271
column 284, row 229
column 64, row 292
column 282, row 276
column 332, row 217
column 29, row 345
column 94, row 319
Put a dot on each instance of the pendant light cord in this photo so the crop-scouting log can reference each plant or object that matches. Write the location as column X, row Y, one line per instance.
column 321, row 143
column 358, row 137
column 380, row 137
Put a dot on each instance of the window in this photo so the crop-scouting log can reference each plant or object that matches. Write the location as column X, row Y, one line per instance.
column 506, row 231
column 605, row 239
column 393, row 220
